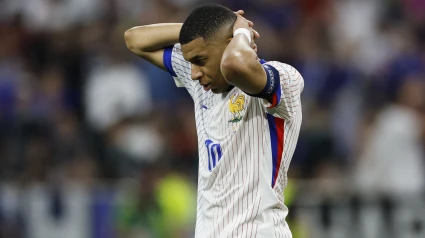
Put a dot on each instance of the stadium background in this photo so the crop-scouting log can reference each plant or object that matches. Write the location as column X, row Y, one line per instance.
column 95, row 143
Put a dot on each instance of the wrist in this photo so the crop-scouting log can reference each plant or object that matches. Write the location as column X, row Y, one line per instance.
column 244, row 31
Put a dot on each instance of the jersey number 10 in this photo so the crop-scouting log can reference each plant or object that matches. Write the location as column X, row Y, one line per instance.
column 214, row 153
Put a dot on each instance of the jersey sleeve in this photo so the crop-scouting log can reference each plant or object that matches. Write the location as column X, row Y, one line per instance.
column 178, row 67
column 286, row 100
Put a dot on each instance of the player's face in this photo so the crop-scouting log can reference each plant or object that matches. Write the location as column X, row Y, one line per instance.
column 205, row 58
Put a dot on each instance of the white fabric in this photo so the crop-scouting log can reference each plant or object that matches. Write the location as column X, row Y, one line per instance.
column 393, row 159
column 75, row 222
column 244, row 31
column 114, row 92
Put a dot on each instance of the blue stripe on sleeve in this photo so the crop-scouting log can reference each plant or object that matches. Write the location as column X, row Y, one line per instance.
column 273, row 80
column 272, row 83
column 167, row 60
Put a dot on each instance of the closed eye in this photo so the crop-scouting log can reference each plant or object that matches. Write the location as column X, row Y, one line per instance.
column 199, row 62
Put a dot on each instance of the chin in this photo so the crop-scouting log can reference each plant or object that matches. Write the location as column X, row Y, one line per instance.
column 216, row 90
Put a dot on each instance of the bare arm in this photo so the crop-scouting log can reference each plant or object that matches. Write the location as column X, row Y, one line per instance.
column 240, row 65
column 149, row 41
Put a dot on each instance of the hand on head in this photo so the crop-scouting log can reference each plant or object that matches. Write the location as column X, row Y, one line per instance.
column 242, row 22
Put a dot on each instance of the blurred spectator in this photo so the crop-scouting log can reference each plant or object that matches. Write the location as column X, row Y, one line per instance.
column 11, row 216
column 119, row 105
column 393, row 158
column 42, row 15
column 59, row 206
column 356, row 34
column 115, row 88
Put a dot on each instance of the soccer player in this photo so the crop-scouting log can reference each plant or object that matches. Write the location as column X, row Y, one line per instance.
column 248, row 117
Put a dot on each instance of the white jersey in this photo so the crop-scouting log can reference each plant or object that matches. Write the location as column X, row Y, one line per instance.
column 245, row 146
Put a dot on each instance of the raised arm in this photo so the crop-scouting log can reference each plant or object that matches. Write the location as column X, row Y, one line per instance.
column 239, row 64
column 149, row 41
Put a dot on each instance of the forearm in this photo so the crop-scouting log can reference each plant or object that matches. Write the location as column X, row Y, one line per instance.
column 240, row 63
column 150, row 38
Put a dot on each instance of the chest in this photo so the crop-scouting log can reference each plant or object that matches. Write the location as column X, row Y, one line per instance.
column 220, row 116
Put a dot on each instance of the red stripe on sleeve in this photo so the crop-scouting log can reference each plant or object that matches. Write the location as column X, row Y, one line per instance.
column 280, row 128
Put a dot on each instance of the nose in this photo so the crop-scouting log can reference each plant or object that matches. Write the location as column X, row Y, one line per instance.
column 196, row 73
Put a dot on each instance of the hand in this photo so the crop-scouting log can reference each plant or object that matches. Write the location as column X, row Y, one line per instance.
column 240, row 14
column 242, row 22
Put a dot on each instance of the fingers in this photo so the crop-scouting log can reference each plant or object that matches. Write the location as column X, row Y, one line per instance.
column 256, row 34
column 240, row 12
column 254, row 47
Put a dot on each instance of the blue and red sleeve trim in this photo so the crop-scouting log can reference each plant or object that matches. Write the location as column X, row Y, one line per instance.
column 167, row 60
column 272, row 84
column 277, row 129
column 276, row 98
column 273, row 76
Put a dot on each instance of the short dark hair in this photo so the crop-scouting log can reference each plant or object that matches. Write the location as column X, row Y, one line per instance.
column 204, row 21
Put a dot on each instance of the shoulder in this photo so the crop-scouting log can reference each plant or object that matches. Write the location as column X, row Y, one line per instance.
column 176, row 51
column 280, row 67
column 177, row 47
column 286, row 72
column 180, row 66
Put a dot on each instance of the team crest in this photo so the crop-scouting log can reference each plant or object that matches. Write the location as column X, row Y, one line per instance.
column 236, row 106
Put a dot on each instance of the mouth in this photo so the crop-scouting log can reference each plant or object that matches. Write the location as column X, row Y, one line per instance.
column 206, row 86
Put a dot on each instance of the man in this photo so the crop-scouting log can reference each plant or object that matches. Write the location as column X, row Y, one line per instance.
column 248, row 117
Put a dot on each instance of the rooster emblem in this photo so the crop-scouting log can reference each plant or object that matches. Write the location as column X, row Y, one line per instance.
column 236, row 106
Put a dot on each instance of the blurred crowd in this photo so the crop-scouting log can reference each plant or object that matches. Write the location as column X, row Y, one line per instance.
column 95, row 142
